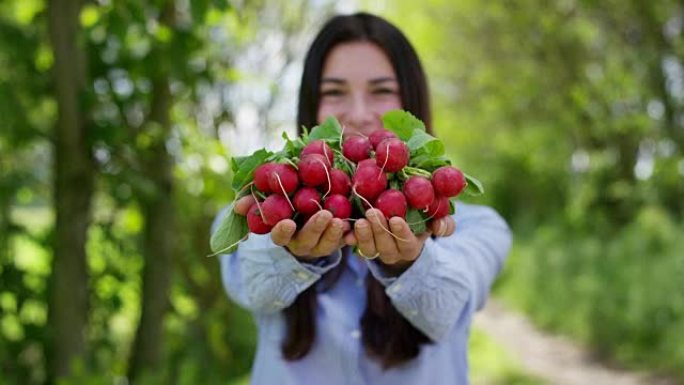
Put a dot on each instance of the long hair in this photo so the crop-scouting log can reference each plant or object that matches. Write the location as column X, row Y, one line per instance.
column 387, row 336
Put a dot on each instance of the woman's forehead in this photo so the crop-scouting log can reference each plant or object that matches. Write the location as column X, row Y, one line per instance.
column 357, row 61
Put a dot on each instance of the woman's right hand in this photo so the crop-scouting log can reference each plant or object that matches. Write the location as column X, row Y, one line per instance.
column 319, row 237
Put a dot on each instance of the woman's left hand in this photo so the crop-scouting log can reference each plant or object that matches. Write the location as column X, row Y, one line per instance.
column 399, row 249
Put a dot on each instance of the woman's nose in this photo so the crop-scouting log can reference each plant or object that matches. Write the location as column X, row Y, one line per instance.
column 360, row 116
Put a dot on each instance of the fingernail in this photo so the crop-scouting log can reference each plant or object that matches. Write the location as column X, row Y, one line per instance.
column 322, row 218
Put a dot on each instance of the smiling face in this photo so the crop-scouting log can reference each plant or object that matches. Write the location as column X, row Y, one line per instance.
column 358, row 85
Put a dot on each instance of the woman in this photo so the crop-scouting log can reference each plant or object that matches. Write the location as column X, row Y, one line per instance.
column 400, row 312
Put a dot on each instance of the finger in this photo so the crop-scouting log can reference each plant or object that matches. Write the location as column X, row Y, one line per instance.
column 401, row 229
column 330, row 239
column 364, row 237
column 309, row 235
column 282, row 232
column 243, row 204
column 443, row 227
column 385, row 244
column 451, row 227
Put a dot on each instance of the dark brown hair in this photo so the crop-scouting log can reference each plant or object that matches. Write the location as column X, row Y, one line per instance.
column 387, row 336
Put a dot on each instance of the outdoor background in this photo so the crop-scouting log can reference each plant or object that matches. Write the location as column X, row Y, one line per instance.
column 118, row 118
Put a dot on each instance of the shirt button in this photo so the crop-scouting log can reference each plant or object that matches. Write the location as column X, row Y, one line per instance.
column 278, row 303
column 355, row 334
column 413, row 313
column 302, row 276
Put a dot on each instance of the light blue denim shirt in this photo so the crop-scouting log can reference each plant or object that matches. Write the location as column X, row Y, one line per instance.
column 438, row 294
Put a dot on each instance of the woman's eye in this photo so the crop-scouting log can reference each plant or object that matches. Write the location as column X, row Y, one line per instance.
column 382, row 91
column 331, row 93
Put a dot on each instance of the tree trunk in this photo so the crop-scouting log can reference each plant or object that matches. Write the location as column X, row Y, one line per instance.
column 74, row 174
column 158, row 242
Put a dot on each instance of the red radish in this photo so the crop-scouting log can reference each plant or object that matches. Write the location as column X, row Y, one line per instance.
column 366, row 162
column 392, row 203
column 356, row 148
column 369, row 182
column 448, row 181
column 275, row 208
column 341, row 184
column 378, row 136
column 283, row 177
column 392, row 154
column 439, row 207
column 321, row 148
column 419, row 192
column 261, row 177
column 339, row 206
column 307, row 200
column 255, row 222
column 313, row 170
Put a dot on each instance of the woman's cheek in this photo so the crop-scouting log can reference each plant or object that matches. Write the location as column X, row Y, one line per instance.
column 382, row 106
column 327, row 109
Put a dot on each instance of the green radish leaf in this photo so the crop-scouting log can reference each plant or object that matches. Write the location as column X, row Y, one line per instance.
column 428, row 162
column 329, row 130
column 452, row 207
column 422, row 142
column 416, row 221
column 474, row 186
column 292, row 147
column 236, row 161
column 246, row 167
column 402, row 123
column 232, row 229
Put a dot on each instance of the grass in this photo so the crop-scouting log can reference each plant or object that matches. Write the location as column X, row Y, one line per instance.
column 490, row 364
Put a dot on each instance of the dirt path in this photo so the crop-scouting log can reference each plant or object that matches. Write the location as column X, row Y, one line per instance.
column 554, row 359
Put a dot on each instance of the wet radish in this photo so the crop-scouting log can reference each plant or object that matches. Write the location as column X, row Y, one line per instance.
column 307, row 200
column 255, row 222
column 321, row 148
column 369, row 182
column 275, row 208
column 439, row 208
column 419, row 192
column 356, row 148
column 339, row 206
column 448, row 181
column 392, row 155
column 392, row 203
column 261, row 177
column 313, row 170
column 378, row 136
column 283, row 179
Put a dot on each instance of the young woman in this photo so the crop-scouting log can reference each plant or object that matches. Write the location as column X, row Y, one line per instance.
column 398, row 313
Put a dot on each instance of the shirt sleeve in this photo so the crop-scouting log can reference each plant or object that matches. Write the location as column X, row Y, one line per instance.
column 452, row 274
column 264, row 277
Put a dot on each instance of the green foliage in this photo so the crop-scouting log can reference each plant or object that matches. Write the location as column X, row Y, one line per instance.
column 232, row 229
column 490, row 364
column 402, row 123
column 618, row 291
column 569, row 112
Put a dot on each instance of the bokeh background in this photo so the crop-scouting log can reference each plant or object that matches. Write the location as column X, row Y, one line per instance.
column 118, row 119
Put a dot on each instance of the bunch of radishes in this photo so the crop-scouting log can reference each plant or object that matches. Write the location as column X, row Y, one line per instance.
column 400, row 170
column 315, row 183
